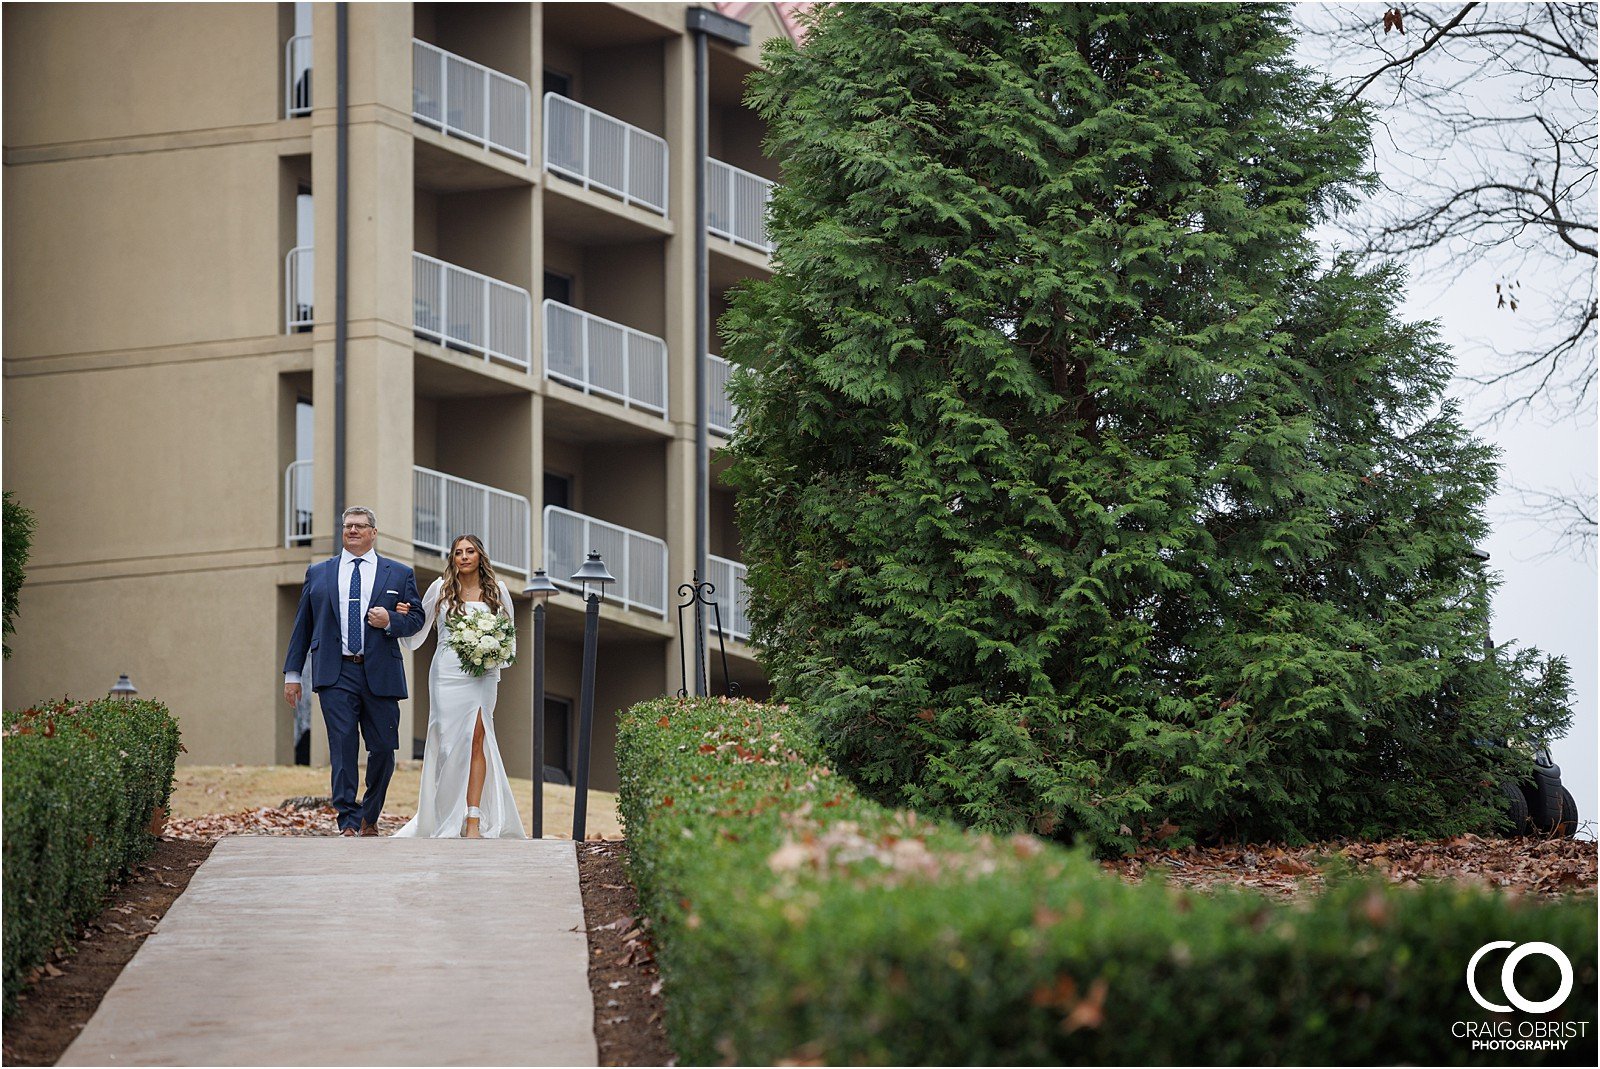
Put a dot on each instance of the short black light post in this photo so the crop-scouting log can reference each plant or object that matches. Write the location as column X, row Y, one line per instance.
column 1479, row 558
column 540, row 589
column 123, row 689
column 591, row 579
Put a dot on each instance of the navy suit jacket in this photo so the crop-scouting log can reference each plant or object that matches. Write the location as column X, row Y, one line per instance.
column 319, row 624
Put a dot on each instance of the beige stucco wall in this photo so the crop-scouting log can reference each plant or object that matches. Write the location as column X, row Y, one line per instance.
column 137, row 54
column 114, row 254
column 149, row 389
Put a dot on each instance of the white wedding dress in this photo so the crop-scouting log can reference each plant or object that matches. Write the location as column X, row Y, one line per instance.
column 454, row 700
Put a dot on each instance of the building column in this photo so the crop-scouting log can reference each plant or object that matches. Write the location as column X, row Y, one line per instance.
column 682, row 297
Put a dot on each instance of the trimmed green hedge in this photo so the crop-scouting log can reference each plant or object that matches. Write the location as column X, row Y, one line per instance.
column 795, row 920
column 81, row 780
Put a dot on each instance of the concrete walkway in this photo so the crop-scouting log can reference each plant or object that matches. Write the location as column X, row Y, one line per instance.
column 332, row 951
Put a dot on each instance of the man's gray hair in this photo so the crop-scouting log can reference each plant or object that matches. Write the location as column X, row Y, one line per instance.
column 361, row 510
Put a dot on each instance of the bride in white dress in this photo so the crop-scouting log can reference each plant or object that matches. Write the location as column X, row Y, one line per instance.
column 465, row 792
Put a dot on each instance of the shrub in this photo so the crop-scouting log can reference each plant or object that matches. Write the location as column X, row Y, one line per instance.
column 795, row 920
column 81, row 780
column 18, row 541
column 1075, row 491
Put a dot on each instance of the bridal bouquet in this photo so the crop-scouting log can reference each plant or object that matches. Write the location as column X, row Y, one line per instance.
column 483, row 640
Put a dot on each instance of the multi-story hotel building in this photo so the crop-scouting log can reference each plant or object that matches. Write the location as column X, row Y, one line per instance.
column 510, row 304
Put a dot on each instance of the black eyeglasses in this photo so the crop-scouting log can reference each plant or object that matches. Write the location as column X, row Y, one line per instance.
column 357, row 526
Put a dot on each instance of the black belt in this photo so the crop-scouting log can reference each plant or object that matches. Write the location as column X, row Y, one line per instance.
column 353, row 658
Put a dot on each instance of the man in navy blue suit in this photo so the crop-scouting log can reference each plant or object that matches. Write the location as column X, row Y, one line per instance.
column 348, row 625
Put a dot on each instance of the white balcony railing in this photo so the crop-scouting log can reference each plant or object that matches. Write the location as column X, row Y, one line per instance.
column 297, row 504
column 637, row 560
column 724, row 416
column 475, row 313
column 445, row 506
column 297, row 76
column 733, row 601
column 600, row 152
column 470, row 101
column 736, row 205
column 601, row 357
column 298, row 279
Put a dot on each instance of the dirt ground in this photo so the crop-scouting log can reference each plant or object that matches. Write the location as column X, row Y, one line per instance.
column 206, row 790
column 69, row 987
column 622, row 970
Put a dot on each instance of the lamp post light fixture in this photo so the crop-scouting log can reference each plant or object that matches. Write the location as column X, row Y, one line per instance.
column 123, row 689
column 1479, row 558
column 591, row 579
column 540, row 589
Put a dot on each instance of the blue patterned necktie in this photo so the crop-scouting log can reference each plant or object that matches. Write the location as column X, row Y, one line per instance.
column 353, row 613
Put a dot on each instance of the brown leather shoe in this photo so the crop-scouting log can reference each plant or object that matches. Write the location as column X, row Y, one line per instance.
column 349, row 833
column 369, row 830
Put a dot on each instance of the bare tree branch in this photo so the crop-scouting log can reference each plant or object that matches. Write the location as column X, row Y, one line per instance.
column 1488, row 158
column 1407, row 60
column 1568, row 515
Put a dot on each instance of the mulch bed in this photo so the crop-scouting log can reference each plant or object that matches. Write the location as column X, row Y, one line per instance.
column 68, row 988
column 622, row 971
column 1534, row 867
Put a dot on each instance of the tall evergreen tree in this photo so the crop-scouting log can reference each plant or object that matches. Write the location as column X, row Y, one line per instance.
column 1077, row 495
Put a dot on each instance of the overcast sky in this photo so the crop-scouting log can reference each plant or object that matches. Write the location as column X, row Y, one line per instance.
column 1548, row 596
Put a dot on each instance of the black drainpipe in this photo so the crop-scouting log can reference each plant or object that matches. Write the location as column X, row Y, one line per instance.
column 341, row 292
column 704, row 24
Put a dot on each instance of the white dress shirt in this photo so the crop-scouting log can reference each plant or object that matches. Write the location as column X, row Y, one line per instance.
column 369, row 569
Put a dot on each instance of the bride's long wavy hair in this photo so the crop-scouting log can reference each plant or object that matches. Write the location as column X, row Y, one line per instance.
column 488, row 582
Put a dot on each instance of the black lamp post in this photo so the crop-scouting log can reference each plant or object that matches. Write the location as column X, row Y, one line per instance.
column 123, row 689
column 540, row 589
column 591, row 579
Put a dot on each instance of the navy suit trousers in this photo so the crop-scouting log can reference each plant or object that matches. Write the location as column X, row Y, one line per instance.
column 348, row 706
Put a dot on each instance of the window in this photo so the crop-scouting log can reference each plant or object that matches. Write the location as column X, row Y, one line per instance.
column 302, row 277
column 557, row 490
column 300, row 489
column 299, row 57
column 557, row 288
column 558, row 735
column 558, row 83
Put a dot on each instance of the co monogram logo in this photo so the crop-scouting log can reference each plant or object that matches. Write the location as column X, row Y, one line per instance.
column 1508, row 977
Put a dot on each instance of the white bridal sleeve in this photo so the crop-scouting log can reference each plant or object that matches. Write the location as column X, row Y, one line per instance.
column 508, row 607
column 430, row 604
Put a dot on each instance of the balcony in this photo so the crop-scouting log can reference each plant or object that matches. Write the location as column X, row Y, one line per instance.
column 731, row 595
column 724, row 417
column 470, row 312
column 600, row 357
column 298, row 278
column 297, row 76
column 297, row 504
column 468, row 100
column 445, row 506
column 599, row 152
column 637, row 560
column 736, row 205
